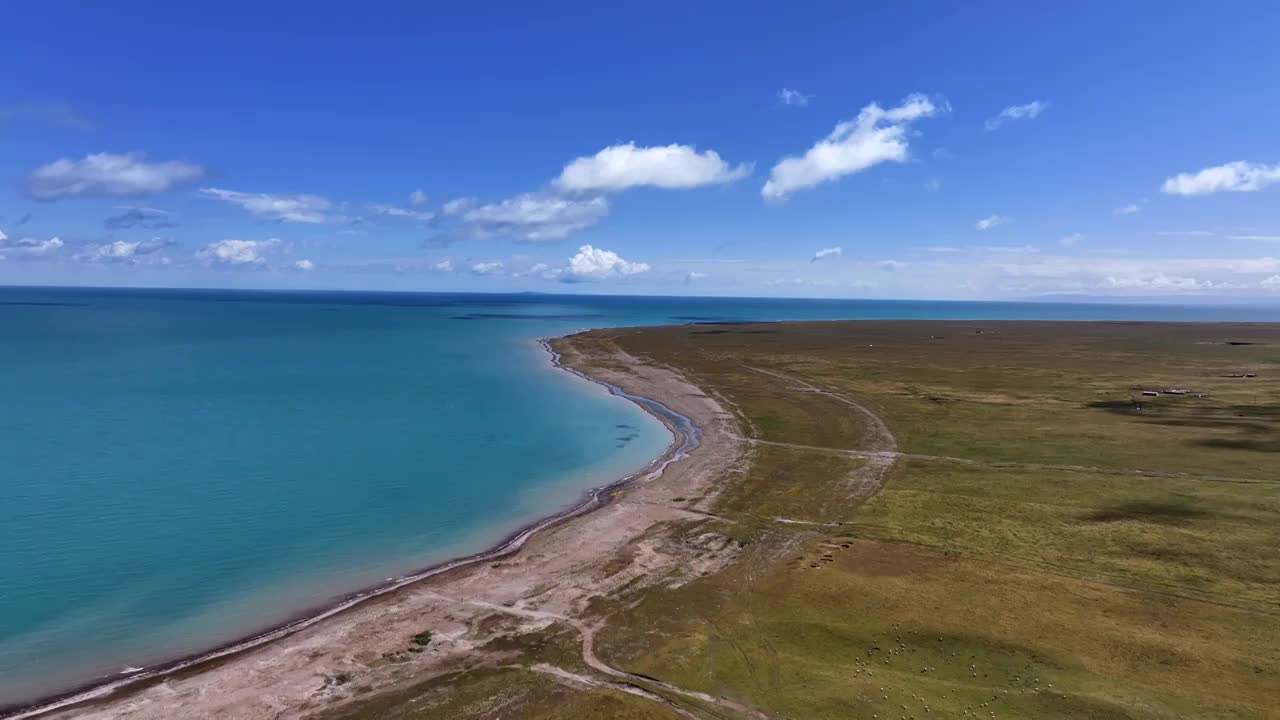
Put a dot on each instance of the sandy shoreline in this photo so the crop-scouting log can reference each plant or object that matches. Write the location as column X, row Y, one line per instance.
column 242, row 679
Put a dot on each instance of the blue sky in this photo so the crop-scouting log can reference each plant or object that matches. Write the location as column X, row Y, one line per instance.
column 994, row 150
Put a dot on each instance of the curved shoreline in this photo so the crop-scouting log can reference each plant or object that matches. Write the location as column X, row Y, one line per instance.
column 686, row 437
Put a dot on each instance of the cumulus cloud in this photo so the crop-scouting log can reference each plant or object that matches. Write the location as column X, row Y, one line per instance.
column 237, row 252
column 875, row 136
column 132, row 217
column 1160, row 282
column 109, row 174
column 1016, row 271
column 1271, row 283
column 457, row 206
column 417, row 198
column 1184, row 233
column 304, row 265
column 826, row 253
column 1030, row 111
column 672, row 167
column 53, row 112
column 1127, row 210
column 599, row 264
column 122, row 251
column 297, row 208
column 1072, row 240
column 29, row 247
column 795, row 98
column 532, row 217
column 1237, row 176
column 443, row 266
column 400, row 212
column 694, row 276
column 486, row 268
column 991, row 221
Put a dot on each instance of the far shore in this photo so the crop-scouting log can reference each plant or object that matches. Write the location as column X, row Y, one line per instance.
column 226, row 681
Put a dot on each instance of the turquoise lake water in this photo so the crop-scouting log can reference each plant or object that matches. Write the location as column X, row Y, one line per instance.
column 181, row 468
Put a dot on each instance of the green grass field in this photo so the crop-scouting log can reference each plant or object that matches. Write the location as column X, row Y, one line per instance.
column 1042, row 548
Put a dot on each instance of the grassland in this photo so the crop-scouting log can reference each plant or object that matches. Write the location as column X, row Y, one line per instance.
column 1037, row 539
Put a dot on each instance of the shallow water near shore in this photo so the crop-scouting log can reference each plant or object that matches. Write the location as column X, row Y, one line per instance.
column 181, row 468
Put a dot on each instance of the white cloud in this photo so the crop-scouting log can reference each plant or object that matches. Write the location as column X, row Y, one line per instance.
column 672, row 167
column 109, row 174
column 694, row 276
column 457, row 206
column 1127, row 210
column 400, row 212
column 1159, row 282
column 875, row 136
column 1271, row 283
column 29, row 247
column 54, row 112
column 1029, row 111
column 1004, row 272
column 237, row 252
column 991, row 221
column 1237, row 176
column 1072, row 240
column 533, row 217
column 298, row 208
column 1022, row 274
column 417, row 198
column 443, row 266
column 1184, row 233
column 599, row 264
column 826, row 253
column 795, row 98
column 122, row 251
column 148, row 218
column 304, row 264
column 1257, row 238
column 798, row 282
column 1005, row 249
column 486, row 268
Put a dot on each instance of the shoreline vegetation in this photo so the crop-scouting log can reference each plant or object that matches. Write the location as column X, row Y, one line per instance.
column 685, row 439
column 920, row 518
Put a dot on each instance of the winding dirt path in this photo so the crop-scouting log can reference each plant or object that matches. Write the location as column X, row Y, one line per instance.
column 881, row 450
column 587, row 634
column 878, row 437
column 1015, row 465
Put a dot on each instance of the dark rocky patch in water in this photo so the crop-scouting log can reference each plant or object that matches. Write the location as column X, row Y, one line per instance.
column 39, row 303
column 523, row 316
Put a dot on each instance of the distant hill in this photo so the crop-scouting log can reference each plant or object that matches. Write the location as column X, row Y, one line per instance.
column 1215, row 300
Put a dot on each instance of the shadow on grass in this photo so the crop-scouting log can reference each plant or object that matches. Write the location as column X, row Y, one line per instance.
column 1167, row 512
column 1249, row 421
column 1270, row 445
column 1122, row 407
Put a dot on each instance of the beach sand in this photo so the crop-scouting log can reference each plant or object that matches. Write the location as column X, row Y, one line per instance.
column 542, row 576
